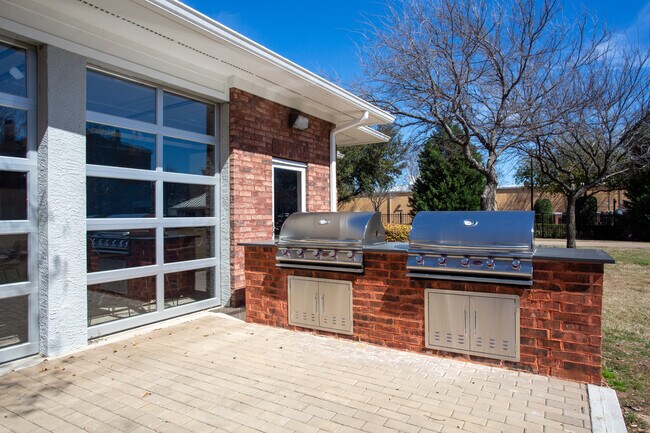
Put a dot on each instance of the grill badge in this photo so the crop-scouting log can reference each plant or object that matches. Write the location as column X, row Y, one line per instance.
column 323, row 222
column 470, row 223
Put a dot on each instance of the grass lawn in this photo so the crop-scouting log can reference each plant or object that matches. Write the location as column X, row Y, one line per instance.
column 626, row 333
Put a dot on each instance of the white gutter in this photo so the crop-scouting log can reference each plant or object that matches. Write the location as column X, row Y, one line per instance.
column 353, row 124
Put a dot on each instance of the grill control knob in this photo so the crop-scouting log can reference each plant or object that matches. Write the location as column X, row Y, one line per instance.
column 489, row 263
column 464, row 261
column 350, row 254
column 442, row 261
column 333, row 254
column 316, row 253
column 284, row 251
column 300, row 252
column 419, row 259
column 516, row 264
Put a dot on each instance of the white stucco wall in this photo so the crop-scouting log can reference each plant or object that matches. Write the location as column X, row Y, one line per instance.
column 62, row 200
column 224, row 211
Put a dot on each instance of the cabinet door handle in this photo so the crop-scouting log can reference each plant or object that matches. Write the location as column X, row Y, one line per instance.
column 322, row 303
column 315, row 303
column 465, row 321
column 475, row 322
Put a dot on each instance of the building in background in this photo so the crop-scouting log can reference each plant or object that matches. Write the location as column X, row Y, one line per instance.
column 394, row 206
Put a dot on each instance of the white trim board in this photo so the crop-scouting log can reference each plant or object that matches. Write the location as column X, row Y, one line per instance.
column 605, row 410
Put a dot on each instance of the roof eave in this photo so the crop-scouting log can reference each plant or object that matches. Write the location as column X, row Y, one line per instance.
column 184, row 13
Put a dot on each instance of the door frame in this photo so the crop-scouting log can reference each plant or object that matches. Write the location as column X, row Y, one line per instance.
column 299, row 167
column 29, row 227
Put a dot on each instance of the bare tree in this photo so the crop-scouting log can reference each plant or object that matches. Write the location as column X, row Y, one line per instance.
column 485, row 66
column 412, row 168
column 600, row 138
column 379, row 197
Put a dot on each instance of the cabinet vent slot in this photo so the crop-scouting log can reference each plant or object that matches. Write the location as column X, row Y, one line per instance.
column 506, row 345
column 449, row 338
column 461, row 339
column 479, row 341
column 492, row 343
column 436, row 336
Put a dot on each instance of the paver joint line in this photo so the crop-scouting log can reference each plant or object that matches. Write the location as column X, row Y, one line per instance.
column 218, row 374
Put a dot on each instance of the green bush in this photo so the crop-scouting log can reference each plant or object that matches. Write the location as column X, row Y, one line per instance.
column 397, row 232
column 586, row 209
column 543, row 206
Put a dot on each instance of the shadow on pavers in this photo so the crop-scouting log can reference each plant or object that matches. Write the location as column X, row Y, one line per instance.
column 237, row 313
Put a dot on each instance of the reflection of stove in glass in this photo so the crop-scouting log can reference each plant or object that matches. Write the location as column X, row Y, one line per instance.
column 120, row 287
column 110, row 242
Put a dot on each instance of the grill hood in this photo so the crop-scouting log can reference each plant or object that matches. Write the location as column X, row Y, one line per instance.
column 489, row 247
column 329, row 241
column 497, row 233
column 332, row 229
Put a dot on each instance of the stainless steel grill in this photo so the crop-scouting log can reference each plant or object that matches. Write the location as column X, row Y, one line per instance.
column 110, row 242
column 473, row 246
column 331, row 241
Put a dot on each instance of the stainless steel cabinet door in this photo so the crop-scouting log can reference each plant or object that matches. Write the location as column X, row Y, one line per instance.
column 303, row 302
column 335, row 306
column 494, row 326
column 447, row 321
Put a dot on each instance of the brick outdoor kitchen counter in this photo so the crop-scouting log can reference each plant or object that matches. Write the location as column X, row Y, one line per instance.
column 560, row 314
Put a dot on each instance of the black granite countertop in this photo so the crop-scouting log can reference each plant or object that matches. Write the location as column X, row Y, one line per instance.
column 267, row 243
column 573, row 255
column 543, row 253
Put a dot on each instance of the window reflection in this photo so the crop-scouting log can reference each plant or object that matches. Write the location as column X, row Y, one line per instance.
column 188, row 114
column 189, row 286
column 14, row 314
column 117, row 300
column 189, row 243
column 118, row 97
column 182, row 156
column 184, row 200
column 119, row 198
column 119, row 249
column 13, row 195
column 13, row 259
column 286, row 195
column 13, row 64
column 13, row 132
column 120, row 147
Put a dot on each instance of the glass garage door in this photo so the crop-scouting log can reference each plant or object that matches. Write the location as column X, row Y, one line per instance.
column 18, row 227
column 152, row 206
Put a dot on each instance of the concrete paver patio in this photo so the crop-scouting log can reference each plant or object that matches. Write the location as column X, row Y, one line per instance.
column 216, row 373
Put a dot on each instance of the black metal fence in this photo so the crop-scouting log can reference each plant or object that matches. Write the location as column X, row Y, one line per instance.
column 590, row 226
column 397, row 218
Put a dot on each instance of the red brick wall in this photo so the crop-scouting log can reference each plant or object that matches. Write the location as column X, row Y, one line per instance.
column 560, row 314
column 259, row 131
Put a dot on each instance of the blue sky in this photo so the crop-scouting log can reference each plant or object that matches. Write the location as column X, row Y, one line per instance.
column 321, row 35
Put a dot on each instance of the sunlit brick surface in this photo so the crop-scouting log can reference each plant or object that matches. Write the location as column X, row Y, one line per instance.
column 560, row 314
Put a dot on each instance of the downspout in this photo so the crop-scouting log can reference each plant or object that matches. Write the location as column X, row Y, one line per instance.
column 354, row 123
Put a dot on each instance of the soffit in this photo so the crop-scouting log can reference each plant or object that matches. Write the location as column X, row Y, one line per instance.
column 167, row 36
